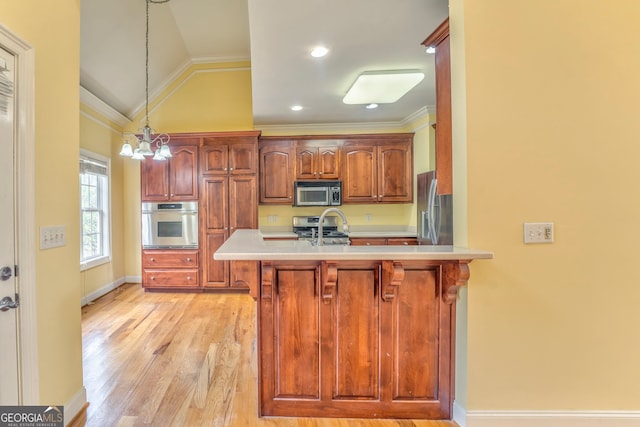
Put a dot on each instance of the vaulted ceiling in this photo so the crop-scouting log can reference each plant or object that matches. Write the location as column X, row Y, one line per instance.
column 276, row 36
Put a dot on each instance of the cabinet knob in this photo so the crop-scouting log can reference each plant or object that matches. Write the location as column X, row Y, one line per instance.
column 188, row 277
column 153, row 278
column 189, row 259
column 166, row 195
column 230, row 169
column 152, row 259
column 231, row 228
column 320, row 173
column 225, row 169
column 315, row 173
column 368, row 243
column 172, row 195
column 406, row 243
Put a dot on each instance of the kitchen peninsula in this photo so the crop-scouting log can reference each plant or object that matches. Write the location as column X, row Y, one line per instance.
column 354, row 331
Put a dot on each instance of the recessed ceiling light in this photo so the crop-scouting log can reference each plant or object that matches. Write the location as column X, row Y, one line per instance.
column 382, row 87
column 296, row 108
column 431, row 49
column 371, row 106
column 319, row 52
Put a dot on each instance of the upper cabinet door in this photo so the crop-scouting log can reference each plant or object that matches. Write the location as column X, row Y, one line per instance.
column 306, row 158
column 243, row 158
column 183, row 173
column 215, row 159
column 328, row 162
column 276, row 173
column 359, row 173
column 155, row 180
column 395, row 173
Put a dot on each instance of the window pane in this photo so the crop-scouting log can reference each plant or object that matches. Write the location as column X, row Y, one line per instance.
column 94, row 204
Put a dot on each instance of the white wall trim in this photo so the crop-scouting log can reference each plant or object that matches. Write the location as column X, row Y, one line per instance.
column 102, row 291
column 459, row 414
column 133, row 279
column 25, row 221
column 101, row 107
column 552, row 419
column 75, row 405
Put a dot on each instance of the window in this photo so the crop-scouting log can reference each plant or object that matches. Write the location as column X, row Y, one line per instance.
column 95, row 214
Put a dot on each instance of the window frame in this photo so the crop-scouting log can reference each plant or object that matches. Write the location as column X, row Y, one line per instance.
column 106, row 223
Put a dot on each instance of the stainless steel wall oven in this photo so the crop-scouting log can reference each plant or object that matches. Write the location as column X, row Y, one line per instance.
column 170, row 225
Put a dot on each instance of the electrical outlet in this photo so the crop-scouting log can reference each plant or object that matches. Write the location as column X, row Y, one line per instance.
column 53, row 237
column 538, row 232
column 367, row 217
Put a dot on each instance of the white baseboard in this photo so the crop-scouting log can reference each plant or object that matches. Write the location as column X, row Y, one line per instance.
column 75, row 405
column 459, row 414
column 102, row 291
column 551, row 419
column 133, row 279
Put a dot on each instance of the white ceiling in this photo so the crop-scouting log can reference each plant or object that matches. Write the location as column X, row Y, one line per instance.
column 276, row 36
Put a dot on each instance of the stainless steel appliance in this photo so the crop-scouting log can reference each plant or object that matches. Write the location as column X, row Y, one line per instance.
column 435, row 212
column 170, row 225
column 317, row 193
column 306, row 227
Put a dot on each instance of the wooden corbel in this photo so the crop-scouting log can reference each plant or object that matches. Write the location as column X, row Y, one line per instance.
column 454, row 276
column 329, row 281
column 267, row 281
column 392, row 277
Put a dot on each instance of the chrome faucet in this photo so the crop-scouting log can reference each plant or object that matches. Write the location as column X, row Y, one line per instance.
column 345, row 225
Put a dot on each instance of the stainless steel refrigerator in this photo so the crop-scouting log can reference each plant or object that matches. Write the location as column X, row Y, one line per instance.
column 435, row 212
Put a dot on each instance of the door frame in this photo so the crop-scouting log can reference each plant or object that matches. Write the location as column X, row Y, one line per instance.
column 24, row 171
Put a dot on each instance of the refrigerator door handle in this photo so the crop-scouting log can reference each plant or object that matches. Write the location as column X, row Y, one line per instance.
column 433, row 220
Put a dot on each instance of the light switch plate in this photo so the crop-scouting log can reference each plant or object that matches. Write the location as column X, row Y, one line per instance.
column 538, row 232
column 53, row 237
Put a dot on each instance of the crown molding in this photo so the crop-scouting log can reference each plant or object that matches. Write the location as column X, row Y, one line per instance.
column 102, row 108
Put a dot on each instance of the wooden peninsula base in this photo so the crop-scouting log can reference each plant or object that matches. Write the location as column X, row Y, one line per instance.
column 371, row 339
column 354, row 331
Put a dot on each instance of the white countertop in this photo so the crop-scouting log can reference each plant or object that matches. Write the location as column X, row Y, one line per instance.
column 250, row 245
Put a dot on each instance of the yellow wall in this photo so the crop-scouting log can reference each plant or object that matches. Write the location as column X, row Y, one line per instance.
column 205, row 98
column 99, row 135
column 552, row 93
column 57, row 53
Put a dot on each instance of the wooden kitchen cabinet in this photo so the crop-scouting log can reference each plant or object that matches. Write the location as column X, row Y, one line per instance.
column 355, row 338
column 170, row 269
column 235, row 155
column 276, row 171
column 444, row 165
column 230, row 203
column 379, row 171
column 173, row 179
column 318, row 160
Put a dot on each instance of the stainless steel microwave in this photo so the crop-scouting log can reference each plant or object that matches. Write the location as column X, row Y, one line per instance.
column 170, row 225
column 317, row 193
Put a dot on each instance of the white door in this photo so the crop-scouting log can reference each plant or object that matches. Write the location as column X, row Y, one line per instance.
column 9, row 385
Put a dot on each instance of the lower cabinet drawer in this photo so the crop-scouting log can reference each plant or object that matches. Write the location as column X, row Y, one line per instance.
column 183, row 278
column 167, row 259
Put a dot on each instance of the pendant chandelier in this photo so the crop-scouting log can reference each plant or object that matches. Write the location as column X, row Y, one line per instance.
column 145, row 142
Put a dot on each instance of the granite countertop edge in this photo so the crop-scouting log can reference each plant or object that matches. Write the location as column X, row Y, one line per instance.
column 251, row 246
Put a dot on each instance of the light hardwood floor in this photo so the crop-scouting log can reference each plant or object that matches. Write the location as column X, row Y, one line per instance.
column 167, row 359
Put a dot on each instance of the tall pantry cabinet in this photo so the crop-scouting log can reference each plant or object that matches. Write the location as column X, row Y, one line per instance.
column 229, row 168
